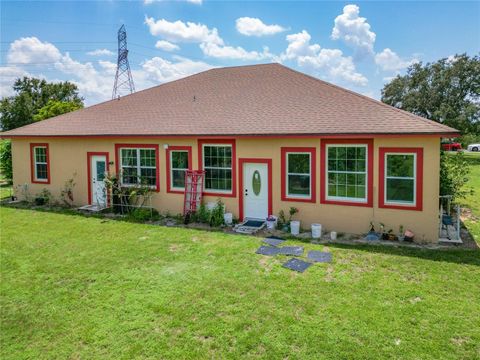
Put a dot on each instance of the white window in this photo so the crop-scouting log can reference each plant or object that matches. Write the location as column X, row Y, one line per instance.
column 217, row 163
column 138, row 166
column 298, row 175
column 40, row 163
column 179, row 165
column 347, row 172
column 400, row 178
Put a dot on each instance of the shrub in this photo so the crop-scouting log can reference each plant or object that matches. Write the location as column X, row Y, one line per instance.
column 6, row 160
column 43, row 198
column 67, row 192
column 143, row 214
column 454, row 170
column 216, row 216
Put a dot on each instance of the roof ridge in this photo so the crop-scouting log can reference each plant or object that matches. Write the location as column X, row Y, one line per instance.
column 375, row 101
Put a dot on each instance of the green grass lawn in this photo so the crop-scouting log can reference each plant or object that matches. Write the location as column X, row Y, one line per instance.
column 77, row 287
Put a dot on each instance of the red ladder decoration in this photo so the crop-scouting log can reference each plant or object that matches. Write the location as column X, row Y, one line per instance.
column 193, row 190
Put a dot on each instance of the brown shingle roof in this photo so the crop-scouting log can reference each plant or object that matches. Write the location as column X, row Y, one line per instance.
column 248, row 100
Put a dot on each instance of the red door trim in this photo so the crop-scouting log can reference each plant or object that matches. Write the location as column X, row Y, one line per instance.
column 243, row 161
column 167, row 161
column 89, row 172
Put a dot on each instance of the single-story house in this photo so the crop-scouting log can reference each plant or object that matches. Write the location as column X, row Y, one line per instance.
column 341, row 158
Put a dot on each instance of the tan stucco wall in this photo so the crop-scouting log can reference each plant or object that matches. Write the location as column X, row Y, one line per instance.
column 69, row 156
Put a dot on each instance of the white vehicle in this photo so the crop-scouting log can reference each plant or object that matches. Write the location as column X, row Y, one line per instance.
column 473, row 147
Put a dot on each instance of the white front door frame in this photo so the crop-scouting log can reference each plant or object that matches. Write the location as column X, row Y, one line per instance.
column 255, row 203
column 97, row 168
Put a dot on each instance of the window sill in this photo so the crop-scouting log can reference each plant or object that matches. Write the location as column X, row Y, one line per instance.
column 36, row 181
column 347, row 202
column 219, row 194
column 299, row 199
column 401, row 207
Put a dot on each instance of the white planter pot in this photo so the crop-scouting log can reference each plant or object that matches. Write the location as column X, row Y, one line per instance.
column 228, row 218
column 295, row 227
column 316, row 231
column 333, row 235
column 271, row 225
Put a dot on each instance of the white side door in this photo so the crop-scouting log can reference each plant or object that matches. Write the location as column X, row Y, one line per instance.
column 98, row 168
column 255, row 191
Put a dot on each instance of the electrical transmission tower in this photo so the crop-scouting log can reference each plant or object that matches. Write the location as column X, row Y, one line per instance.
column 123, row 78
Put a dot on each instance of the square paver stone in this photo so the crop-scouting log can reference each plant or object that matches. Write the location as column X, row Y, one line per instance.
column 273, row 241
column 297, row 265
column 319, row 256
column 291, row 250
column 267, row 250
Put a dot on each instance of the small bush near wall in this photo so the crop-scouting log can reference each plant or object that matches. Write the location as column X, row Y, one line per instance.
column 454, row 170
column 6, row 168
column 213, row 217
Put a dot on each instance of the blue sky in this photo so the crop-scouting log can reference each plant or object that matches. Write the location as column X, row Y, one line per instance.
column 358, row 45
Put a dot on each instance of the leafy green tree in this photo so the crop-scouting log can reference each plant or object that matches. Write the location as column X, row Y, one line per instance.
column 454, row 170
column 31, row 95
column 446, row 91
column 6, row 159
column 54, row 108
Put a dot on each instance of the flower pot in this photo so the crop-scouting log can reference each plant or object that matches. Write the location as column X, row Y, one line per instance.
column 316, row 231
column 271, row 222
column 401, row 238
column 333, row 235
column 228, row 218
column 295, row 227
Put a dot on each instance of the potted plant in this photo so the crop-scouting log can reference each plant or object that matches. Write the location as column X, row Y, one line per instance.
column 294, row 224
column 383, row 234
column 271, row 222
column 391, row 236
column 401, row 233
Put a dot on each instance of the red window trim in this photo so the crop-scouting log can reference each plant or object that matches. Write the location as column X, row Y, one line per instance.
column 231, row 142
column 89, row 173
column 313, row 173
column 418, row 206
column 323, row 171
column 241, row 162
column 142, row 146
column 169, row 150
column 32, row 163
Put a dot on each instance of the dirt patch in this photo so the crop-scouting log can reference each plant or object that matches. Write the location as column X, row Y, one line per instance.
column 174, row 247
column 467, row 214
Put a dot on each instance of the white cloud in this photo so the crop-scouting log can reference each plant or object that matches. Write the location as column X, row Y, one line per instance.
column 30, row 50
column 94, row 80
column 166, row 45
column 178, row 31
column 197, row 2
column 255, row 27
column 299, row 45
column 109, row 67
column 163, row 70
column 8, row 74
column 234, row 53
column 101, row 52
column 211, row 43
column 354, row 31
column 328, row 63
column 388, row 60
